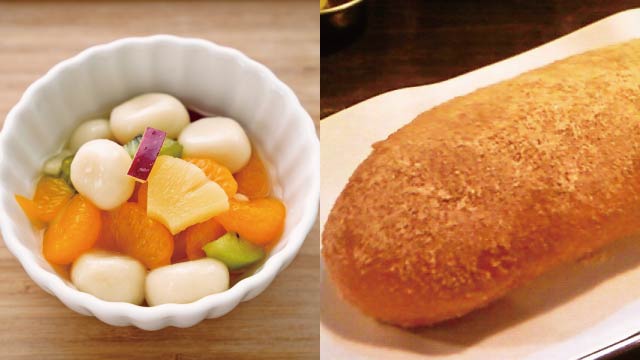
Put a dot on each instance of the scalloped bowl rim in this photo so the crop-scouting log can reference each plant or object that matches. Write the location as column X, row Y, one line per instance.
column 141, row 315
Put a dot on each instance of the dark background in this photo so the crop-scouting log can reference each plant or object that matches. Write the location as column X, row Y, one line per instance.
column 416, row 42
column 413, row 42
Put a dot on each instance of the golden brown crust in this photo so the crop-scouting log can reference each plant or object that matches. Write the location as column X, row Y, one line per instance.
column 480, row 194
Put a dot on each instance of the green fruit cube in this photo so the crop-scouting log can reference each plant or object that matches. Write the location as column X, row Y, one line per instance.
column 234, row 251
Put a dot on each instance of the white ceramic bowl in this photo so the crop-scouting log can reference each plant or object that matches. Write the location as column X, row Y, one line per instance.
column 206, row 77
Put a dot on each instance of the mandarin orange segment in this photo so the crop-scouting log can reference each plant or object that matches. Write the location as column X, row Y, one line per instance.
column 260, row 221
column 30, row 208
column 196, row 236
column 253, row 179
column 216, row 172
column 140, row 237
column 52, row 194
column 73, row 231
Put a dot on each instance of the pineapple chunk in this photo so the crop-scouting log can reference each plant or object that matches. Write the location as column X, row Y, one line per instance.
column 181, row 195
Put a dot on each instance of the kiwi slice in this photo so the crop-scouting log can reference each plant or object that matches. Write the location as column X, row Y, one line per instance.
column 169, row 147
column 234, row 251
column 65, row 169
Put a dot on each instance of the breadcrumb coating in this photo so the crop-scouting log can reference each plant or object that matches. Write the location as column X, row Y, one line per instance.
column 484, row 192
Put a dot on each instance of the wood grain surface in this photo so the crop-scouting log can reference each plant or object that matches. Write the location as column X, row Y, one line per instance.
column 417, row 42
column 282, row 322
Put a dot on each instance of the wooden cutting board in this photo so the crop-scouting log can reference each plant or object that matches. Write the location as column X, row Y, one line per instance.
column 280, row 323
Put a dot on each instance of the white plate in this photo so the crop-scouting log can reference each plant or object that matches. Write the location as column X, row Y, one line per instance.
column 566, row 314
